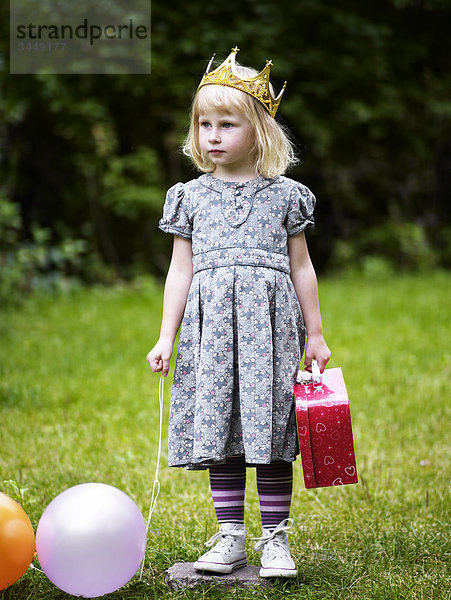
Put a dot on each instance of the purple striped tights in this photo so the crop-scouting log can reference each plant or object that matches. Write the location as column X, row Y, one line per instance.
column 274, row 485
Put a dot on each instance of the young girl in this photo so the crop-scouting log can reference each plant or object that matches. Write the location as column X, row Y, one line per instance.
column 242, row 280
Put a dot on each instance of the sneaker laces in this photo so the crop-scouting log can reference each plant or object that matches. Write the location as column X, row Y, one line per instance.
column 270, row 540
column 222, row 537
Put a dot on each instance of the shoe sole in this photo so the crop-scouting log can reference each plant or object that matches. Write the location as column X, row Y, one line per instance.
column 278, row 572
column 220, row 568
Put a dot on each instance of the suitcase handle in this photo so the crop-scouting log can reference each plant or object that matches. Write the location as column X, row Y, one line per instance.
column 317, row 380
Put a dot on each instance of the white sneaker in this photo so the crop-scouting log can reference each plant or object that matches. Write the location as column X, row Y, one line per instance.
column 276, row 559
column 228, row 554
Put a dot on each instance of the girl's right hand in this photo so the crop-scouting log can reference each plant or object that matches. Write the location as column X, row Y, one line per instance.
column 160, row 355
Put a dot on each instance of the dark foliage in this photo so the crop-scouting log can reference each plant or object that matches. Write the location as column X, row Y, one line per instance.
column 86, row 159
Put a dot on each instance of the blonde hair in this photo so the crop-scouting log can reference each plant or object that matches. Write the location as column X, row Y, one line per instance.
column 273, row 150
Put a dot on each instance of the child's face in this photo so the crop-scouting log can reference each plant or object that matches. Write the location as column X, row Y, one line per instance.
column 227, row 138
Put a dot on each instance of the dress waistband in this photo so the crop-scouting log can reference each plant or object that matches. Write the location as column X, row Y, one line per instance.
column 229, row 257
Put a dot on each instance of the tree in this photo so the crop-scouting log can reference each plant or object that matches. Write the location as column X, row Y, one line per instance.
column 368, row 102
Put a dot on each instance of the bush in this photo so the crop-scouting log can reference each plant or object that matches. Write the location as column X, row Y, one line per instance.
column 380, row 250
column 27, row 265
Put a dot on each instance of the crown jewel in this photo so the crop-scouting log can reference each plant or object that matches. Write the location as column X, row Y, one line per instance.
column 257, row 86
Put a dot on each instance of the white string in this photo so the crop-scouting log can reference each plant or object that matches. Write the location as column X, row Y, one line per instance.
column 156, row 483
column 35, row 568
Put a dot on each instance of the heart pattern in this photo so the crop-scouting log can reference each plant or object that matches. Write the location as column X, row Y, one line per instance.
column 325, row 432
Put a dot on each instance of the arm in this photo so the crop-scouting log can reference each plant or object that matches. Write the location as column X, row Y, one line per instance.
column 305, row 284
column 176, row 289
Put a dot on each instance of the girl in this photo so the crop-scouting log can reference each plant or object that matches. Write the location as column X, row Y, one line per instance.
column 242, row 280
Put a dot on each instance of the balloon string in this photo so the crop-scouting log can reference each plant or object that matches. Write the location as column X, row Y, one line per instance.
column 35, row 568
column 156, row 483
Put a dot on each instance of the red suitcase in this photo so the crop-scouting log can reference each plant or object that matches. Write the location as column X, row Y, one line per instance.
column 324, row 427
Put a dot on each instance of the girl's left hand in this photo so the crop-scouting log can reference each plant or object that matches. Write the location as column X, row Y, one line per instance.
column 316, row 349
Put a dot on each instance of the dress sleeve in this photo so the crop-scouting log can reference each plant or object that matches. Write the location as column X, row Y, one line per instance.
column 176, row 217
column 300, row 211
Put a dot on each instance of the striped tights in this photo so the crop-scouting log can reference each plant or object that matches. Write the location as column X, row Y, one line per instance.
column 274, row 485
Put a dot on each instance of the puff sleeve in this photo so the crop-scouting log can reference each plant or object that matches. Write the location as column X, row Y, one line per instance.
column 300, row 210
column 176, row 217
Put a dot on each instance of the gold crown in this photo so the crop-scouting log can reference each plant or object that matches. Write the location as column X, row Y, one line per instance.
column 257, row 86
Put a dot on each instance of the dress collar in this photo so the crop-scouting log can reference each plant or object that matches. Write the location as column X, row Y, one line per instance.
column 254, row 185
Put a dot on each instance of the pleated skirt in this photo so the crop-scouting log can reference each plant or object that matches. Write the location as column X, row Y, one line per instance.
column 241, row 342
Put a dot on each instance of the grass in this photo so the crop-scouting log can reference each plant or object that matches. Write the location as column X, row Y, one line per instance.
column 78, row 403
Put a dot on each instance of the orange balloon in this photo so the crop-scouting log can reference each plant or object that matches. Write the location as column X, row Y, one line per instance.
column 16, row 541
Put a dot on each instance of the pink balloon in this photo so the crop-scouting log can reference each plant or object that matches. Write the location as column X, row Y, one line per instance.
column 91, row 540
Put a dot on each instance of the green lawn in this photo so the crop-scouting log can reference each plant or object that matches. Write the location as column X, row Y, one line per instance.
column 78, row 403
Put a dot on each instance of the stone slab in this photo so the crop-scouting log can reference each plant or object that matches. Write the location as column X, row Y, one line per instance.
column 183, row 575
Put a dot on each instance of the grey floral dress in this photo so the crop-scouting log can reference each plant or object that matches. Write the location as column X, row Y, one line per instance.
column 242, row 335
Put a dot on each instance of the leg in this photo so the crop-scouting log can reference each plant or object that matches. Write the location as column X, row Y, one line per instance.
column 228, row 484
column 275, row 487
